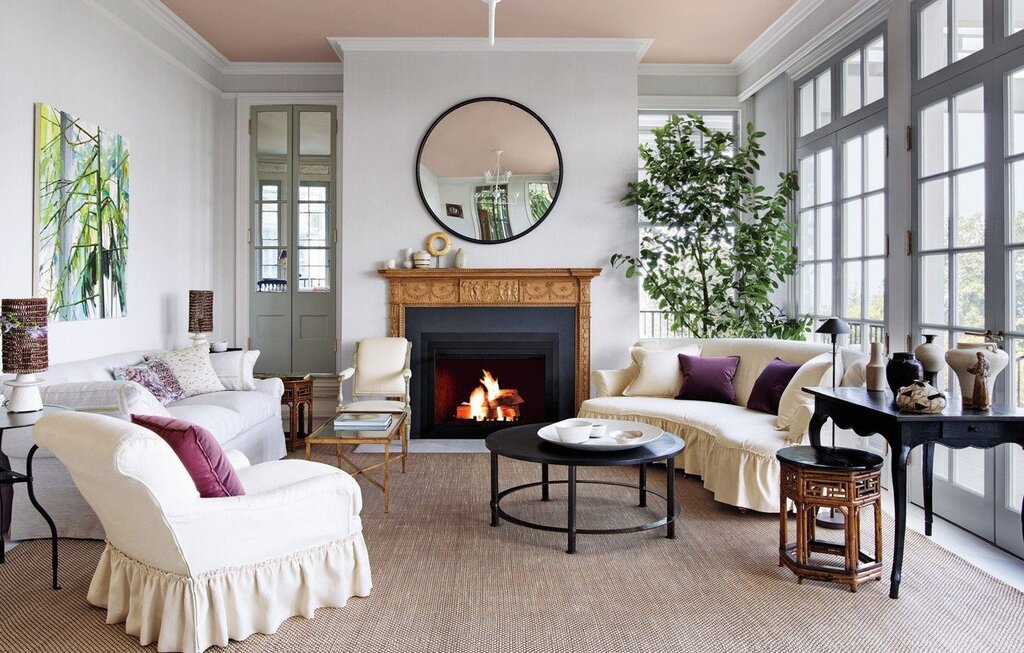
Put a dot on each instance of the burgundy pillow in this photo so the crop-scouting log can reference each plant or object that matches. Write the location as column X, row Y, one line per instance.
column 770, row 385
column 199, row 452
column 708, row 378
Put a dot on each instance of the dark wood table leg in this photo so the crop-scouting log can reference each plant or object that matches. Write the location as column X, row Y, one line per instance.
column 494, row 489
column 572, row 511
column 899, row 497
column 817, row 421
column 927, row 464
column 670, row 492
column 545, row 495
column 2, row 542
column 45, row 515
column 643, row 485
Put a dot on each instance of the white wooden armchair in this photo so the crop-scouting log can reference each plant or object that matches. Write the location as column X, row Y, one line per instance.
column 380, row 376
column 188, row 573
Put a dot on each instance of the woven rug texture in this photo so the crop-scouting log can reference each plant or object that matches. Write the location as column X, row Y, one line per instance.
column 446, row 581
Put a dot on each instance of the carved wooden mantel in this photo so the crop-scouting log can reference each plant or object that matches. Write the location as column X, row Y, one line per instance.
column 440, row 287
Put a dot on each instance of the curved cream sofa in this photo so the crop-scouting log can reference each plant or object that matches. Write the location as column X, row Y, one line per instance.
column 731, row 447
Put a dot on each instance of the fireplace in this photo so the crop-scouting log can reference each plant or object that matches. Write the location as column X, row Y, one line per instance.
column 475, row 383
column 527, row 329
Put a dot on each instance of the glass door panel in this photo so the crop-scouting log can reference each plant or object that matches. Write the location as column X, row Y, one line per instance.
column 292, row 310
column 951, row 261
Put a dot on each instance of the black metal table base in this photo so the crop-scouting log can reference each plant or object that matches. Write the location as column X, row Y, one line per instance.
column 672, row 507
column 11, row 477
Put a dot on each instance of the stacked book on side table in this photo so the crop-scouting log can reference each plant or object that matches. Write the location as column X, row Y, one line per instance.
column 362, row 422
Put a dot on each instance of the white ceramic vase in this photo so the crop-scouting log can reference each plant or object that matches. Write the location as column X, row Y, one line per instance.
column 876, row 368
column 964, row 358
column 931, row 356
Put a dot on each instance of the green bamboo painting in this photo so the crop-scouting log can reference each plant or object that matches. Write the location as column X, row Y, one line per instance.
column 82, row 217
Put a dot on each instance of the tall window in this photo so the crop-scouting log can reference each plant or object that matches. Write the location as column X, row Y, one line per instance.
column 967, row 102
column 653, row 322
column 841, row 206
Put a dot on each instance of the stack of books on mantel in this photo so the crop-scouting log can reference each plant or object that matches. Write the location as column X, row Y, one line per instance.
column 362, row 422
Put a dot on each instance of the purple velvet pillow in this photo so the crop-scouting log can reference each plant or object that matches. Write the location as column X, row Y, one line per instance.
column 199, row 452
column 770, row 385
column 708, row 378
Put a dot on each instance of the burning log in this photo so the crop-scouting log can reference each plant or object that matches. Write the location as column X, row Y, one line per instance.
column 489, row 402
column 506, row 397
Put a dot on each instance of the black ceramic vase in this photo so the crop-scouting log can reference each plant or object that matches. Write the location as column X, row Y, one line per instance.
column 902, row 370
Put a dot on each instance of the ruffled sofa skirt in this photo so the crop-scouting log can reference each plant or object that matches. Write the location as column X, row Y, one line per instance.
column 191, row 614
column 742, row 476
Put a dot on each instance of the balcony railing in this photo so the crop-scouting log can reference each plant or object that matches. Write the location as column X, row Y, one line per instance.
column 655, row 324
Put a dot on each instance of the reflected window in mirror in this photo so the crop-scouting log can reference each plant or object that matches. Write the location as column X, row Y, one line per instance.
column 489, row 170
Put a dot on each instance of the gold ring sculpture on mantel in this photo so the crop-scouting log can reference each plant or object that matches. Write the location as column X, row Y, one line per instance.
column 432, row 245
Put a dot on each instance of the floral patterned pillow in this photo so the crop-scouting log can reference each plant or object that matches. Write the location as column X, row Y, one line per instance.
column 155, row 376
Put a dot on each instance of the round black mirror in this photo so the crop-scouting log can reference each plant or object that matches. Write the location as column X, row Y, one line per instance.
column 489, row 170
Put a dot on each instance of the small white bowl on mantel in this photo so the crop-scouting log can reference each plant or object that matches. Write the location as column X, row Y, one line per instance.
column 573, row 430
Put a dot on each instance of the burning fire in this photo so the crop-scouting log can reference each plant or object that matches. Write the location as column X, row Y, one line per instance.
column 489, row 402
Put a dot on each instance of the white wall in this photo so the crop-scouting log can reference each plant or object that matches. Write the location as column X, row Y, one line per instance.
column 72, row 55
column 589, row 102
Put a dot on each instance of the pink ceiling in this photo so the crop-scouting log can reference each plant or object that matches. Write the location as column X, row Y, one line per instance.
column 684, row 31
column 463, row 144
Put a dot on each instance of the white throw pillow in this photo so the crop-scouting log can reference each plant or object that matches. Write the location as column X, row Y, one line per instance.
column 815, row 372
column 234, row 368
column 855, row 367
column 193, row 369
column 659, row 374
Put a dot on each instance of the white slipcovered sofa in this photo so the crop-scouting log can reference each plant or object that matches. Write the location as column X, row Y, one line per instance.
column 187, row 573
column 731, row 447
column 248, row 421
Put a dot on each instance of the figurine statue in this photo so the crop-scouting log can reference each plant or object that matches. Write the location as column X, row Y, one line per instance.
column 981, row 371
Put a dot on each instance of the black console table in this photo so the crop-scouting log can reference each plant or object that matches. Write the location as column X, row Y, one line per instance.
column 867, row 413
column 9, row 420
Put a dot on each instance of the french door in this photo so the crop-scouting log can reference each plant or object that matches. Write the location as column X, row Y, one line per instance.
column 968, row 245
column 292, row 298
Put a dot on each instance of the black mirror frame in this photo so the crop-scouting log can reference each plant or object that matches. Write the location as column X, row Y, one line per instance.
column 558, row 153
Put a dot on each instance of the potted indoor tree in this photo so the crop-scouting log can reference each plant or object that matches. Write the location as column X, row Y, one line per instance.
column 718, row 246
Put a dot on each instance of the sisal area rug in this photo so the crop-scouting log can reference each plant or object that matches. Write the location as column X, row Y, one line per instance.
column 444, row 580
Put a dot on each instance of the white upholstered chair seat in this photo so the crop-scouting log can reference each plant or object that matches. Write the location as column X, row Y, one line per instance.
column 374, row 406
column 188, row 573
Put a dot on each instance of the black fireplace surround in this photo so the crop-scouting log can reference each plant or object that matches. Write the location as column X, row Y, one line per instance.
column 499, row 334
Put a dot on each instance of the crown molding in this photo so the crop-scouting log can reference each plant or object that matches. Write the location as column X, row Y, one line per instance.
column 637, row 47
column 181, row 30
column 283, row 68
column 862, row 16
column 688, row 103
column 775, row 33
column 686, row 70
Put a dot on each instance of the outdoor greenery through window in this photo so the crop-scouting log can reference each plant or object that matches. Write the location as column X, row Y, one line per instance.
column 538, row 193
column 654, row 323
column 842, row 206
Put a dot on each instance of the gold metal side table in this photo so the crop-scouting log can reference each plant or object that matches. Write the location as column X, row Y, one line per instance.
column 328, row 435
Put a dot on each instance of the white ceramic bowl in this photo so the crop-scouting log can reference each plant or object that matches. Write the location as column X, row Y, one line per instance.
column 598, row 430
column 573, row 430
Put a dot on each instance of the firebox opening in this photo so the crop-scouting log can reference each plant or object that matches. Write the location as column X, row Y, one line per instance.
column 489, row 390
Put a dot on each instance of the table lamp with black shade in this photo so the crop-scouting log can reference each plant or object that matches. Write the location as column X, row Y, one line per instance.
column 833, row 327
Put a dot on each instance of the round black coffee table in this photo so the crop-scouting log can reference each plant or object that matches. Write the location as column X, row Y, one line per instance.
column 523, row 443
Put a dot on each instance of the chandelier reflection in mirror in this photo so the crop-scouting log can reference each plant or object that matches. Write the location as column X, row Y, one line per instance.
column 489, row 170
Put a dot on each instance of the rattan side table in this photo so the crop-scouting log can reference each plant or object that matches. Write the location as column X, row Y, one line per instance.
column 847, row 480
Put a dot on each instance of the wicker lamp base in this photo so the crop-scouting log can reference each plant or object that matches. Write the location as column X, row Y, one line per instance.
column 25, row 397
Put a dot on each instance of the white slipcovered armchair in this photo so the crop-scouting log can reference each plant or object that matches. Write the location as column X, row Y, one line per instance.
column 380, row 369
column 189, row 573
